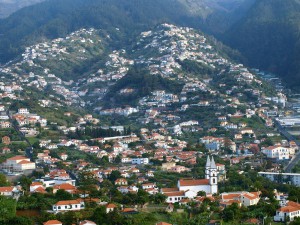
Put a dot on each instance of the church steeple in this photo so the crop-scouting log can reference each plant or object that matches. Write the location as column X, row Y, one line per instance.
column 213, row 173
column 207, row 168
column 213, row 164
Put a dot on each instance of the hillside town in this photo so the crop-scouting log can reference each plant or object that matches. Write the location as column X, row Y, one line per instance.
column 213, row 149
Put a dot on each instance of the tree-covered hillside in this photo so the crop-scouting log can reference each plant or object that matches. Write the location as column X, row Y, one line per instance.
column 268, row 36
column 8, row 7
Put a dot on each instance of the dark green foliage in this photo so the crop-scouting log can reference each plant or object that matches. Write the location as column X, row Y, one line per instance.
column 268, row 36
column 3, row 180
column 93, row 133
column 143, row 83
column 196, row 68
column 7, row 209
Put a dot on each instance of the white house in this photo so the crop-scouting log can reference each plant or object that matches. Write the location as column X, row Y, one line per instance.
column 140, row 161
column 23, row 111
column 69, row 205
column 290, row 211
column 277, row 152
column 8, row 191
column 244, row 197
column 173, row 195
column 18, row 164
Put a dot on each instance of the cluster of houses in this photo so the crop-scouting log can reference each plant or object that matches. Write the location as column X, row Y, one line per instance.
column 156, row 109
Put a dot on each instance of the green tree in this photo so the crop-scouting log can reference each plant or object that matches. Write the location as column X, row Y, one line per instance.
column 61, row 195
column 115, row 174
column 3, row 181
column 7, row 208
column 25, row 183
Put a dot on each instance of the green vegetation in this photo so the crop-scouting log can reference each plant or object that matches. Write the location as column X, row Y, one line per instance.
column 143, row 83
column 52, row 19
column 268, row 36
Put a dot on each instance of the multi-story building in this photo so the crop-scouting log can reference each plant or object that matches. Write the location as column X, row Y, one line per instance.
column 17, row 164
column 290, row 178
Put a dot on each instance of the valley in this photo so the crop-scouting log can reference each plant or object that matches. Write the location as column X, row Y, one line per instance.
column 131, row 112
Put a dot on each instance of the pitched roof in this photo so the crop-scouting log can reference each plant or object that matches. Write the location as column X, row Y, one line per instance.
column 40, row 190
column 6, row 189
column 18, row 157
column 35, row 184
column 213, row 164
column 175, row 193
column 165, row 190
column 25, row 162
column 69, row 202
column 111, row 206
column 65, row 186
column 208, row 162
column 191, row 182
column 288, row 209
column 53, row 222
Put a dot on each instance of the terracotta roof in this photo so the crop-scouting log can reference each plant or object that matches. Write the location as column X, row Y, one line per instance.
column 253, row 221
column 52, row 222
column 193, row 182
column 294, row 204
column 175, row 193
column 288, row 209
column 65, row 186
column 40, row 190
column 230, row 196
column 18, row 157
column 25, row 162
column 165, row 190
column 69, row 202
column 36, row 184
column 129, row 210
column 111, row 206
column 6, row 189
column 163, row 223
column 251, row 196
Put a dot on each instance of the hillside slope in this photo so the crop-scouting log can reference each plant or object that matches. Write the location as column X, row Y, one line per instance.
column 52, row 19
column 268, row 36
column 7, row 7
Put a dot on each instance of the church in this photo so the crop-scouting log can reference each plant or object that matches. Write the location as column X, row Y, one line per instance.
column 189, row 188
column 209, row 184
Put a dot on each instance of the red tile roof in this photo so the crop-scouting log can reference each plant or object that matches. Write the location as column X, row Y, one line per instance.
column 6, row 189
column 52, row 222
column 175, row 193
column 184, row 182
